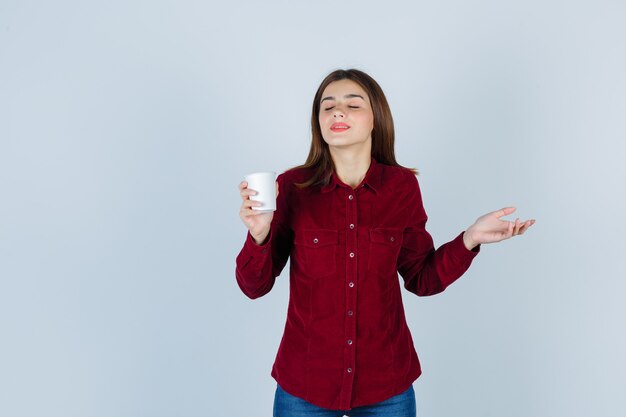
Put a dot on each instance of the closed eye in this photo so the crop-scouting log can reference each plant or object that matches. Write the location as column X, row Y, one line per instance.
column 352, row 107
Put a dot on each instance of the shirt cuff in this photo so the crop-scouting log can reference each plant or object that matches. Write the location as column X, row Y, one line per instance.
column 459, row 251
column 255, row 250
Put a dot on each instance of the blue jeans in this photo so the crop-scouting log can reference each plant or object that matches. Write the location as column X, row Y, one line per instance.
column 401, row 405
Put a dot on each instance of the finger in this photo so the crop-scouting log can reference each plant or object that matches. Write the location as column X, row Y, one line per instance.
column 243, row 187
column 247, row 205
column 525, row 226
column 251, row 203
column 509, row 230
column 245, row 194
column 504, row 211
column 247, row 212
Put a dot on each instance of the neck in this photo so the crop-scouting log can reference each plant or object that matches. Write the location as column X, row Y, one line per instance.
column 351, row 167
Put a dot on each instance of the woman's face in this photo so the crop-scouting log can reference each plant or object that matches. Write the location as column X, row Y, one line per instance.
column 346, row 116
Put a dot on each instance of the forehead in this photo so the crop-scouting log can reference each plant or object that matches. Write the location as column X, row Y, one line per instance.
column 338, row 89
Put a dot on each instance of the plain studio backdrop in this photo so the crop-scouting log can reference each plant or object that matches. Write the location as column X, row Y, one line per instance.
column 126, row 126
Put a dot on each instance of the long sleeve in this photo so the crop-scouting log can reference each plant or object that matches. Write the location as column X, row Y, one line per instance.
column 427, row 271
column 257, row 266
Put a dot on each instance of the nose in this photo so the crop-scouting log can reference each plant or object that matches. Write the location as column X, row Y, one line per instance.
column 337, row 114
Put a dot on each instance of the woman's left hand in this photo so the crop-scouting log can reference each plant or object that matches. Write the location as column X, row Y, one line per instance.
column 489, row 228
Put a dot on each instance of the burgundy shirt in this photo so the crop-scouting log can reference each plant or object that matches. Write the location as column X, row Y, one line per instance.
column 346, row 341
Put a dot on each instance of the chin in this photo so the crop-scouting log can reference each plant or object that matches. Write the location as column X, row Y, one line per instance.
column 339, row 141
column 343, row 141
column 346, row 145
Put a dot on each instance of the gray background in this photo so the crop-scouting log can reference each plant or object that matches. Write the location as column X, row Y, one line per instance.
column 125, row 127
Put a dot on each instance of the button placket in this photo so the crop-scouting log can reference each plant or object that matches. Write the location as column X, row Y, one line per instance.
column 351, row 295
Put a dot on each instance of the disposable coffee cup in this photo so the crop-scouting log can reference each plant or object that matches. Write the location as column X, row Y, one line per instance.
column 264, row 183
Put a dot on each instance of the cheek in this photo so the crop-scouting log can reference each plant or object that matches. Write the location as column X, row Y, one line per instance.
column 367, row 121
column 323, row 124
column 325, row 120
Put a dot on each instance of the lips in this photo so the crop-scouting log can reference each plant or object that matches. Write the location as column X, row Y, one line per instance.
column 339, row 127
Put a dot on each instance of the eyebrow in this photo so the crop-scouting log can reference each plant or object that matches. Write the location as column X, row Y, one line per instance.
column 346, row 96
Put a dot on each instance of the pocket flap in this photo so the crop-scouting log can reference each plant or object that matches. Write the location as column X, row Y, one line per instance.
column 318, row 238
column 387, row 236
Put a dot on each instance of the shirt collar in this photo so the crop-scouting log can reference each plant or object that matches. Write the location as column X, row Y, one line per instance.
column 373, row 179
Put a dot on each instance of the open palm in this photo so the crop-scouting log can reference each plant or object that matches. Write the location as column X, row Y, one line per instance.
column 489, row 228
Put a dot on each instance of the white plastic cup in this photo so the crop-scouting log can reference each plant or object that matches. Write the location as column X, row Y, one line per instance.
column 264, row 183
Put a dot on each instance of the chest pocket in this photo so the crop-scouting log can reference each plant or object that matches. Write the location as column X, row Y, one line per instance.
column 318, row 251
column 384, row 250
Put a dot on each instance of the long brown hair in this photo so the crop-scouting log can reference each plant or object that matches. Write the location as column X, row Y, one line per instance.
column 383, row 136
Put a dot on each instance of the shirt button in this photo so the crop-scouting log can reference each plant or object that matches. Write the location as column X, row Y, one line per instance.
column 350, row 312
column 349, row 342
column 351, row 226
column 351, row 284
column 349, row 370
column 393, row 239
column 315, row 240
column 352, row 254
column 350, row 196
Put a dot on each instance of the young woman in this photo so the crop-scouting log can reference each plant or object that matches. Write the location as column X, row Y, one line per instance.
column 350, row 219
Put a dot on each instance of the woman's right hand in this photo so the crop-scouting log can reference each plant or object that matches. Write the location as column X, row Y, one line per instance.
column 257, row 222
